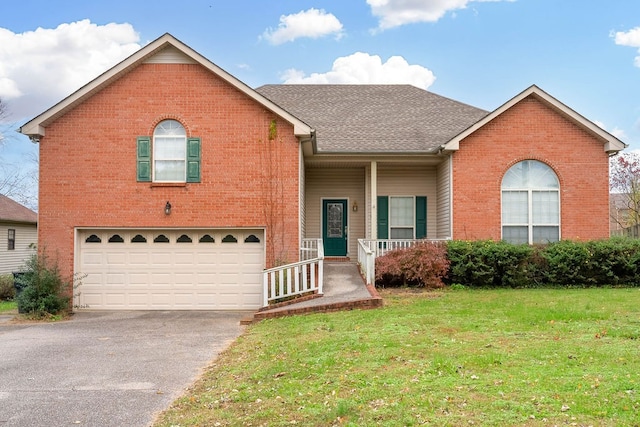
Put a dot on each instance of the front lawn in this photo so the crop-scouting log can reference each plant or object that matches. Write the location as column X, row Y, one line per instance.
column 491, row 357
column 8, row 306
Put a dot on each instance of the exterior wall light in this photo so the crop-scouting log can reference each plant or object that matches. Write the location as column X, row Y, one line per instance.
column 355, row 207
column 167, row 209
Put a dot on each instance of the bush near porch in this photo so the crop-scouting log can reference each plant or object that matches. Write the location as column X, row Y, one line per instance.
column 497, row 264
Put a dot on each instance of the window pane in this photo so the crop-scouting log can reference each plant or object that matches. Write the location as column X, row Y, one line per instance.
column 169, row 152
column 546, row 234
column 530, row 174
column 170, row 148
column 401, row 233
column 515, row 235
column 169, row 127
column 334, row 220
column 515, row 207
column 170, row 170
column 401, row 212
column 546, row 207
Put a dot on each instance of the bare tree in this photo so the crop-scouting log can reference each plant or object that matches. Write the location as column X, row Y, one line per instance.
column 624, row 179
column 4, row 113
column 17, row 181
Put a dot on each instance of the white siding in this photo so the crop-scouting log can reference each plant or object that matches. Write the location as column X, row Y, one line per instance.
column 411, row 181
column 26, row 239
column 443, row 202
column 339, row 184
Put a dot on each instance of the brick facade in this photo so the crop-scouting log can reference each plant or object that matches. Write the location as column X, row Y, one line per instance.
column 88, row 162
column 531, row 130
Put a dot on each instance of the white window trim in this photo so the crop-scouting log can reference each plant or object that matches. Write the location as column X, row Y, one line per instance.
column 530, row 223
column 413, row 212
column 154, row 157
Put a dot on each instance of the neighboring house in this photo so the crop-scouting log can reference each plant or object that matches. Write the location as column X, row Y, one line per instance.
column 19, row 226
column 622, row 209
column 172, row 185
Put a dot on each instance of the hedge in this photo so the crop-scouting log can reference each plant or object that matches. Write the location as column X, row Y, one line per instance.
column 497, row 264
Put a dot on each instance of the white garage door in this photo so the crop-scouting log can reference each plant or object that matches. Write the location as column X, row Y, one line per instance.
column 170, row 269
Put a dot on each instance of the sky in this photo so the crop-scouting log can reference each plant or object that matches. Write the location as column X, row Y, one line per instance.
column 480, row 52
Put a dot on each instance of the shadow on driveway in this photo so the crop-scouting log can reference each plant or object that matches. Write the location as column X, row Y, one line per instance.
column 106, row 368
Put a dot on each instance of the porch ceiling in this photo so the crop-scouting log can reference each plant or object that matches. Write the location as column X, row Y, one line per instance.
column 361, row 162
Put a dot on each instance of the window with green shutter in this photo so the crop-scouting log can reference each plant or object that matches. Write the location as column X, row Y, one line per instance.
column 402, row 217
column 168, row 156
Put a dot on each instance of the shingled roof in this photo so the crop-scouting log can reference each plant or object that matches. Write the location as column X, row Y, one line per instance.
column 374, row 118
column 12, row 211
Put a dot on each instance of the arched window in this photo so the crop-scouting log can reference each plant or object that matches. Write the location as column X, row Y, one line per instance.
column 530, row 203
column 169, row 152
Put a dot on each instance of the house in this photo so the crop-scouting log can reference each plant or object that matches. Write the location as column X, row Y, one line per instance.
column 623, row 209
column 19, row 224
column 170, row 184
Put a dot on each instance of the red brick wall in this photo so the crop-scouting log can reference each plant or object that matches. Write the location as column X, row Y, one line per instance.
column 531, row 130
column 88, row 162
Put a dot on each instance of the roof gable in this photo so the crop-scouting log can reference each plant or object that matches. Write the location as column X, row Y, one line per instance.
column 611, row 144
column 13, row 211
column 166, row 49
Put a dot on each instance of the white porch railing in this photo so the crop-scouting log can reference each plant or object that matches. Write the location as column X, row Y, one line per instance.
column 369, row 250
column 306, row 276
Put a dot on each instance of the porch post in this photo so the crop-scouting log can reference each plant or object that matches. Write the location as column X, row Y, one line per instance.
column 374, row 200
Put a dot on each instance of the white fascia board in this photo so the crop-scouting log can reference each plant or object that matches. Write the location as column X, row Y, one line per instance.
column 36, row 127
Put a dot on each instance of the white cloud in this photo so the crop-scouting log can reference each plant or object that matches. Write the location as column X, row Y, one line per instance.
column 362, row 68
column 394, row 13
column 629, row 38
column 616, row 131
column 39, row 68
column 313, row 23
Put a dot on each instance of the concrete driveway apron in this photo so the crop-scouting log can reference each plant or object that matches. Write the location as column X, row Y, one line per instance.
column 106, row 368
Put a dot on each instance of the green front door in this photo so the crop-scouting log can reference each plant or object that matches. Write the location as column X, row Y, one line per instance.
column 334, row 227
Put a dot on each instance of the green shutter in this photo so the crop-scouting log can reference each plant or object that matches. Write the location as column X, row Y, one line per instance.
column 144, row 159
column 193, row 160
column 383, row 217
column 421, row 217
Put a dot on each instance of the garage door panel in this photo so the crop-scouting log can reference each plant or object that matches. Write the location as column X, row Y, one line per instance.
column 184, row 258
column 92, row 258
column 138, row 274
column 185, row 279
column 114, row 299
column 138, row 279
column 161, row 259
column 160, row 280
column 138, row 258
column 114, row 258
column 115, row 279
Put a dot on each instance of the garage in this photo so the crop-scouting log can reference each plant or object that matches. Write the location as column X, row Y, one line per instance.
column 169, row 269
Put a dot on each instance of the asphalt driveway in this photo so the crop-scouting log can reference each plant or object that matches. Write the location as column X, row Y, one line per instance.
column 106, row 368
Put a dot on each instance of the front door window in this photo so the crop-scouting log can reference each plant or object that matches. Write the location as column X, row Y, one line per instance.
column 334, row 220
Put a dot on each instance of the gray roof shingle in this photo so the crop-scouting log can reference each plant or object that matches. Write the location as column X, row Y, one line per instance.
column 374, row 118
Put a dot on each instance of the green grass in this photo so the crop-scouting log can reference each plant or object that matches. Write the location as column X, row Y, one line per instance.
column 8, row 306
column 494, row 358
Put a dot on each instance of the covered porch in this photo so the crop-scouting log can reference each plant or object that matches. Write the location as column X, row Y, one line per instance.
column 390, row 197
